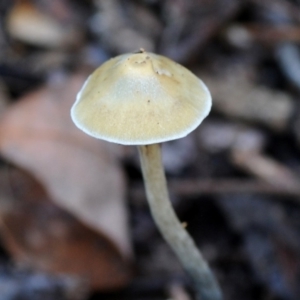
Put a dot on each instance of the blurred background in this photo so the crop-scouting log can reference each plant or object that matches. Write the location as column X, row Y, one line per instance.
column 74, row 222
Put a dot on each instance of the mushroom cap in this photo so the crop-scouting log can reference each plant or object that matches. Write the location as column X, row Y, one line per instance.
column 139, row 99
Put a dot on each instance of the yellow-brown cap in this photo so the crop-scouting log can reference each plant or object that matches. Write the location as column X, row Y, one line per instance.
column 139, row 99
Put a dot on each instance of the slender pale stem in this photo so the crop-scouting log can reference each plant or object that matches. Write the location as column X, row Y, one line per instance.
column 172, row 230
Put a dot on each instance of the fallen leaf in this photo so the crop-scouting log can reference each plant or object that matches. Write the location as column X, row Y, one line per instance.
column 42, row 236
column 81, row 174
column 25, row 22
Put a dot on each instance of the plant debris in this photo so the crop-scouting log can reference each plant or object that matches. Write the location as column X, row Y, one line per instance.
column 73, row 217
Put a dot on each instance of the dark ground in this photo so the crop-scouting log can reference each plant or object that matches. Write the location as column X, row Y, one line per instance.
column 235, row 180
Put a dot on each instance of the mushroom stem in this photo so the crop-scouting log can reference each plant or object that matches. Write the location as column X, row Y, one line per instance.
column 172, row 230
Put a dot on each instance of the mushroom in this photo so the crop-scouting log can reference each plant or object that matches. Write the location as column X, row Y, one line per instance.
column 145, row 99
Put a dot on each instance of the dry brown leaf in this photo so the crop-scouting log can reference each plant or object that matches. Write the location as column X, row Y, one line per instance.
column 42, row 236
column 32, row 26
column 80, row 173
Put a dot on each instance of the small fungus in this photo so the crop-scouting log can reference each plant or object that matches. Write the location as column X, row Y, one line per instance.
column 179, row 104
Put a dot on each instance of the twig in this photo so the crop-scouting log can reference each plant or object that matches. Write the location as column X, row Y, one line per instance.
column 197, row 187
